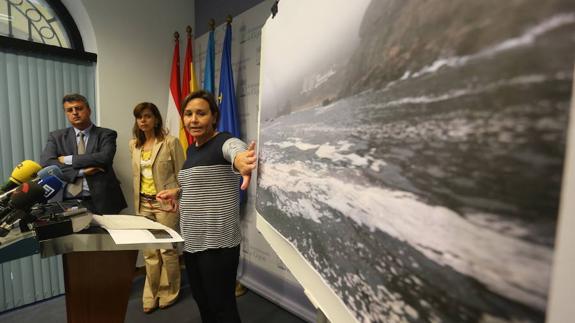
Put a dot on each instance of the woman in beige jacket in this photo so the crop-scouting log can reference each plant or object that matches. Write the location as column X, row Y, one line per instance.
column 156, row 159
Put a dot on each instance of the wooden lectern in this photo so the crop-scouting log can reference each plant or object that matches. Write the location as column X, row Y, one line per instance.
column 98, row 274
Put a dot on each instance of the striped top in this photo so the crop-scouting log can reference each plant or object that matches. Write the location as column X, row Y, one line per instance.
column 209, row 204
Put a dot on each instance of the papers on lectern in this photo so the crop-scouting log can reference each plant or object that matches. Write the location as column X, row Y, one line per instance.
column 130, row 229
column 126, row 222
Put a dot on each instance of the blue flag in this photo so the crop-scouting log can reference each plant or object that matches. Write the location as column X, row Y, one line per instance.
column 209, row 79
column 229, row 120
column 227, row 95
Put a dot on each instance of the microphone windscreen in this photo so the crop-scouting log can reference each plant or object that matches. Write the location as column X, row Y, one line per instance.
column 13, row 216
column 27, row 195
column 51, row 185
column 50, row 170
column 8, row 186
column 25, row 171
column 6, row 225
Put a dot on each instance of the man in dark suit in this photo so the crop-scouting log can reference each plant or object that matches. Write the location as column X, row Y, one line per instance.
column 85, row 153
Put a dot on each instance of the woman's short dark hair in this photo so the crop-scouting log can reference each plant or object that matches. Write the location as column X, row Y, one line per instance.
column 208, row 97
column 159, row 130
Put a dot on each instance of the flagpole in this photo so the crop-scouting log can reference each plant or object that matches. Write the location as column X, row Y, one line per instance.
column 177, row 37
column 189, row 84
column 189, row 31
column 176, row 61
column 209, row 77
column 193, row 82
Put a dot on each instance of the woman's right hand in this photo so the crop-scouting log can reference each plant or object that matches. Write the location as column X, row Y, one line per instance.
column 245, row 162
column 167, row 195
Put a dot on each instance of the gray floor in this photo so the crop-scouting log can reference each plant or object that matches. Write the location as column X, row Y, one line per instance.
column 253, row 309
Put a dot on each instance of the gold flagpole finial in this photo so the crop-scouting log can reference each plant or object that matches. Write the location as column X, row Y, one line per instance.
column 176, row 36
column 189, row 31
column 212, row 24
column 229, row 19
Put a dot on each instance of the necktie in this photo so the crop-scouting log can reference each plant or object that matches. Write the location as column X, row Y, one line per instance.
column 75, row 188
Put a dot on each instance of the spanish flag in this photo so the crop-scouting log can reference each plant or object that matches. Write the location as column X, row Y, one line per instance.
column 189, row 83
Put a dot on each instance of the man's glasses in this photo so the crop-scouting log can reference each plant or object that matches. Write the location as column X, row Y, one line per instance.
column 72, row 109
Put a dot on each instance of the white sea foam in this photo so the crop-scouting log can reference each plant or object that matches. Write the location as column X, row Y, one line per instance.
column 377, row 165
column 333, row 153
column 336, row 153
column 456, row 93
column 525, row 39
column 513, row 267
column 322, row 109
column 292, row 142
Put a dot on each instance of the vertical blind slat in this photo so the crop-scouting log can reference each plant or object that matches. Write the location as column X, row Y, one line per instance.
column 31, row 90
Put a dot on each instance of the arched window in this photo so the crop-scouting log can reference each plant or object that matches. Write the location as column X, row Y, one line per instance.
column 45, row 22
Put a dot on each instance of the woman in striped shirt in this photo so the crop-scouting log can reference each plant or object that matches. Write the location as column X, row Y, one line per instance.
column 209, row 207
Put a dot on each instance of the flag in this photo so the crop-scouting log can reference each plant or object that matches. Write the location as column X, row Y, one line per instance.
column 174, row 117
column 189, row 83
column 209, row 78
column 227, row 93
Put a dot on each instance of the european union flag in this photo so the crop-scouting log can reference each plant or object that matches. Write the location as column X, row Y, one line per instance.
column 227, row 95
column 209, row 79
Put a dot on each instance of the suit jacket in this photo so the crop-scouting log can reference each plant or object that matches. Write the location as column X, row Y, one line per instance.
column 105, row 190
column 167, row 160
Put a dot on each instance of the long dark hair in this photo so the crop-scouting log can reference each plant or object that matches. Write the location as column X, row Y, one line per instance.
column 159, row 130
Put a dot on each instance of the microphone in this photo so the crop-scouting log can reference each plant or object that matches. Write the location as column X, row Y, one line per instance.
column 51, row 185
column 51, row 170
column 23, row 172
column 20, row 202
column 14, row 215
column 26, row 196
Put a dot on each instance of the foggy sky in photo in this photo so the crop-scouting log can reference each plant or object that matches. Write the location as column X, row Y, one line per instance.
column 316, row 46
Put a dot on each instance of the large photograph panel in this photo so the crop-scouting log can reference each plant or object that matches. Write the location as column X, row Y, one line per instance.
column 412, row 151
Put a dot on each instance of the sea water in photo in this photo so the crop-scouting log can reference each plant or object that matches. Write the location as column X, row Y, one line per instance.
column 433, row 196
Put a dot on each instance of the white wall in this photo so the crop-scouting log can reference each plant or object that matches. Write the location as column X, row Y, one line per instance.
column 134, row 43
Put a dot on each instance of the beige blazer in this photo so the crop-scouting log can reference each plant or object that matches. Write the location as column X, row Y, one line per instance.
column 167, row 160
